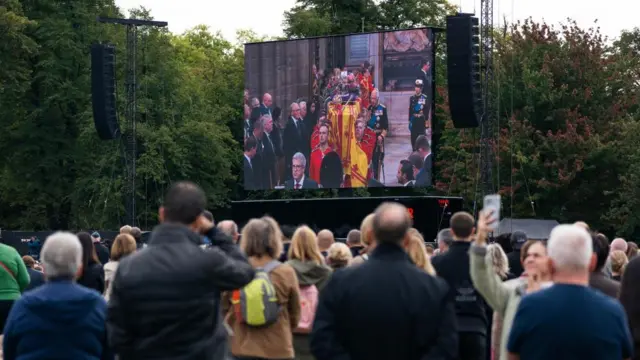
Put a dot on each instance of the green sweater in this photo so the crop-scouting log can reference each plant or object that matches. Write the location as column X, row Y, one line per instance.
column 12, row 284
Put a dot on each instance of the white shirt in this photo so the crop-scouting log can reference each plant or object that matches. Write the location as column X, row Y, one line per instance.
column 248, row 159
column 298, row 182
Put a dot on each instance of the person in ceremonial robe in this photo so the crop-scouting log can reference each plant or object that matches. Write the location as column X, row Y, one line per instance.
column 319, row 152
column 379, row 123
column 315, row 135
column 366, row 88
column 361, row 154
column 417, row 113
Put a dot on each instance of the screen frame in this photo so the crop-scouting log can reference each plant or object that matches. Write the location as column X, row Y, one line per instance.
column 435, row 124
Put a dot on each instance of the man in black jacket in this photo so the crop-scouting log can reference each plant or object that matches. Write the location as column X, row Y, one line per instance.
column 386, row 308
column 453, row 266
column 165, row 302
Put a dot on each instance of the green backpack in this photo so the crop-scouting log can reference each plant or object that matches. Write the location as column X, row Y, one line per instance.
column 257, row 304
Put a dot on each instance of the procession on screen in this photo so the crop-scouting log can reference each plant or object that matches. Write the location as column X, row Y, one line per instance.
column 339, row 112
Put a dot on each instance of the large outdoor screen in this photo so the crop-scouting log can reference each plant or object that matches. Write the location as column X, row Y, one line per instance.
column 340, row 111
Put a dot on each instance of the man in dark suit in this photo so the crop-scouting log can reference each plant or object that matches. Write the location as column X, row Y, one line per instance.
column 299, row 180
column 405, row 174
column 250, row 146
column 423, row 148
column 386, row 307
column 418, row 110
column 295, row 139
column 265, row 107
column 268, row 154
column 258, row 159
column 425, row 75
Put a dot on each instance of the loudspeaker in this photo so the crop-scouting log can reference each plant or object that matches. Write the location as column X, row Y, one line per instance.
column 463, row 66
column 103, row 91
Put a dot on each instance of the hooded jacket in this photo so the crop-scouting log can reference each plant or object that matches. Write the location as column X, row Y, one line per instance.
column 58, row 320
column 310, row 273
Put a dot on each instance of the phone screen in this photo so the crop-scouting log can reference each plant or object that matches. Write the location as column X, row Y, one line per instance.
column 492, row 203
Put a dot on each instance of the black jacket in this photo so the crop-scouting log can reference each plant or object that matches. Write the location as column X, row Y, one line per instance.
column 515, row 265
column 453, row 266
column 386, row 308
column 93, row 277
column 166, row 297
column 102, row 252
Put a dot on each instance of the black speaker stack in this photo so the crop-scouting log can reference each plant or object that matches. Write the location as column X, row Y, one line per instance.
column 103, row 91
column 463, row 66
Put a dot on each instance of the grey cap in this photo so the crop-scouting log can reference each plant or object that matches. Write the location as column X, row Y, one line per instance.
column 445, row 236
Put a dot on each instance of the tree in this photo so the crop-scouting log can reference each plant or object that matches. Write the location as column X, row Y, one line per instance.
column 332, row 17
column 563, row 99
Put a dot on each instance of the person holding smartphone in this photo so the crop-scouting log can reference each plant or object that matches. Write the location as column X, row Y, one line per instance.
column 504, row 297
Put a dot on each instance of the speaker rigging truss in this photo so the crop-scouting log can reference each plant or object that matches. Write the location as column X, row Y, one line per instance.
column 131, row 109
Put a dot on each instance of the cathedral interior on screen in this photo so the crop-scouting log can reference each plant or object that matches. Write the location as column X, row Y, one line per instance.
column 339, row 112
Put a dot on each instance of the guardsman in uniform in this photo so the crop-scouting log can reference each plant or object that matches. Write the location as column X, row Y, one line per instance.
column 417, row 114
column 378, row 122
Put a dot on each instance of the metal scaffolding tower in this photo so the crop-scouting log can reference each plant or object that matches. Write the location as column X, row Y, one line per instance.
column 488, row 114
column 131, row 85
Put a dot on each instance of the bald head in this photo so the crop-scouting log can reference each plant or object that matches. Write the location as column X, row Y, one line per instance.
column 619, row 244
column 325, row 239
column 229, row 228
column 366, row 230
column 391, row 223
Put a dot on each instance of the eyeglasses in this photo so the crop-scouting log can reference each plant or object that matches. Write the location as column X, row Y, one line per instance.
column 297, row 166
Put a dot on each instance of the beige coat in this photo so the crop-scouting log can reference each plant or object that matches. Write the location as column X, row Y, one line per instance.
column 503, row 297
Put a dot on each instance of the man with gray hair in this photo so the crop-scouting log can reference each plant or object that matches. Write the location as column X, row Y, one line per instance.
column 568, row 319
column 445, row 239
column 60, row 319
column 229, row 228
column 295, row 139
column 299, row 180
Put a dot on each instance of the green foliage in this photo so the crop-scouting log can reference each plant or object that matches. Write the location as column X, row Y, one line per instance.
column 333, row 17
column 565, row 102
column 56, row 173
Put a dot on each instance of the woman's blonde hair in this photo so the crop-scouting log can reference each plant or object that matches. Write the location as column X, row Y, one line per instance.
column 339, row 255
column 418, row 254
column 260, row 237
column 304, row 246
column 619, row 261
column 123, row 245
column 499, row 260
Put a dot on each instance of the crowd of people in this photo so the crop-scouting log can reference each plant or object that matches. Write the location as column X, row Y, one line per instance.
column 199, row 290
column 334, row 139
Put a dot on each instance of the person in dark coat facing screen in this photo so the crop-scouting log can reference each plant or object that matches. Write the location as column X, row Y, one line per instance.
column 385, row 308
column 165, row 300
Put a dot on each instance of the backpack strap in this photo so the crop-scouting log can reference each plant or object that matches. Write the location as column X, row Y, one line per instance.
column 271, row 265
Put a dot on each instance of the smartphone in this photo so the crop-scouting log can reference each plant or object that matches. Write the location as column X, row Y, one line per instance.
column 492, row 203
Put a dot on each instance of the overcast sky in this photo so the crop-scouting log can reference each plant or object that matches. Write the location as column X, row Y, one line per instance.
column 265, row 17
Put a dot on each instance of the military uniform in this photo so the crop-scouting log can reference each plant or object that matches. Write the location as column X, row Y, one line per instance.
column 418, row 110
column 379, row 122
